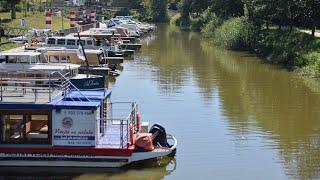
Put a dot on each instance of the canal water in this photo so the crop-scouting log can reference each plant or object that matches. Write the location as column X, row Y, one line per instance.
column 234, row 117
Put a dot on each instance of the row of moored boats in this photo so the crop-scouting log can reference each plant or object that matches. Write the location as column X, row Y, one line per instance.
column 55, row 109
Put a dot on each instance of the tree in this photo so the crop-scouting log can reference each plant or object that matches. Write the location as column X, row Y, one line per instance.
column 311, row 10
column 184, row 10
column 156, row 9
column 13, row 4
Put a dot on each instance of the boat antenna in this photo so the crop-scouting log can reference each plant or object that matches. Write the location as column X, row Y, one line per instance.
column 85, row 56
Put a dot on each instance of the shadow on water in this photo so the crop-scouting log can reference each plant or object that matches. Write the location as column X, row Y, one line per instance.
column 272, row 103
column 149, row 169
column 259, row 101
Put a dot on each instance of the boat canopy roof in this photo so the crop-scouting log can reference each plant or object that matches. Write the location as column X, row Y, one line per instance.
column 20, row 53
column 7, row 67
column 90, row 94
column 75, row 37
column 84, row 99
column 76, row 105
column 64, row 49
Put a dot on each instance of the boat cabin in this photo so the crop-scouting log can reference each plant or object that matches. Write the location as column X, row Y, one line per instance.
column 64, row 55
column 33, row 63
column 71, row 118
column 27, row 57
column 73, row 43
column 70, row 42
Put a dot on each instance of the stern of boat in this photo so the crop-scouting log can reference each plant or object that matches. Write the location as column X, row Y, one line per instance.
column 164, row 145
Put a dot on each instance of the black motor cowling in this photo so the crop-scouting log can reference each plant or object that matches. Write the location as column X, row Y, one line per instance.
column 160, row 136
column 112, row 67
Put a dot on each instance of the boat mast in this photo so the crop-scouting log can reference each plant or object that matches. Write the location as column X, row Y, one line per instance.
column 85, row 56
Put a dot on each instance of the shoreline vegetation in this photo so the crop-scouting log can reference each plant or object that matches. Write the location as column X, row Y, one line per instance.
column 270, row 31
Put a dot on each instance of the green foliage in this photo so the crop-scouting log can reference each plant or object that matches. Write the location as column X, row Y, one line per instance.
column 123, row 12
column 209, row 28
column 184, row 7
column 156, row 10
column 107, row 14
column 35, row 20
column 234, row 33
column 290, row 48
column 175, row 20
column 173, row 4
column 9, row 45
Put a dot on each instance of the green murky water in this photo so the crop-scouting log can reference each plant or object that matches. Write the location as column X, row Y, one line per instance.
column 234, row 117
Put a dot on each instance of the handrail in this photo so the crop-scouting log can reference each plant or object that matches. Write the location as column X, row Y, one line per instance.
column 123, row 131
column 68, row 86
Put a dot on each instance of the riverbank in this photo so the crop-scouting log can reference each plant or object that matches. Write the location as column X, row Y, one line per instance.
column 7, row 46
column 287, row 47
column 34, row 20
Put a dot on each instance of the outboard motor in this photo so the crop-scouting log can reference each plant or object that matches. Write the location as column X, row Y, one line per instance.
column 160, row 136
column 112, row 67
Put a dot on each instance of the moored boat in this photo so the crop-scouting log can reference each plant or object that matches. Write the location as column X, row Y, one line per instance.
column 77, row 128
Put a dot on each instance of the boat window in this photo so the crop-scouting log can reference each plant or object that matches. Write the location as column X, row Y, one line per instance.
column 51, row 41
column 61, row 41
column 65, row 59
column 23, row 127
column 12, row 127
column 54, row 59
column 71, row 42
column 82, row 42
column 37, row 127
column 89, row 43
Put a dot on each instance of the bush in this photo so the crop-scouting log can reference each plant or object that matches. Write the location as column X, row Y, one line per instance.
column 234, row 33
column 107, row 14
column 196, row 24
column 176, row 19
column 293, row 49
column 209, row 28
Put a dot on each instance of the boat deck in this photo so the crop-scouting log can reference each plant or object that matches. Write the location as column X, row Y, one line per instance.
column 36, row 95
column 115, row 135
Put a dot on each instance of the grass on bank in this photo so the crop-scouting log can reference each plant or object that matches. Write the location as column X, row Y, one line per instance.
column 291, row 48
column 8, row 46
column 34, row 20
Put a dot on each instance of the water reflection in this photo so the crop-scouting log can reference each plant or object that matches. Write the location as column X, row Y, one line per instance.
column 150, row 169
column 234, row 117
column 260, row 98
column 259, row 101
column 147, row 170
column 266, row 99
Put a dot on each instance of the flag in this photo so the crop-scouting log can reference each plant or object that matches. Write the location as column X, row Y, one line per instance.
column 111, row 24
column 80, row 53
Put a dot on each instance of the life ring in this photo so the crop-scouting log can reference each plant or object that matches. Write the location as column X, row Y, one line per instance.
column 138, row 120
column 131, row 133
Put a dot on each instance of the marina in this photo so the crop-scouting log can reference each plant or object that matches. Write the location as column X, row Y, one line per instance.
column 113, row 90
column 64, row 116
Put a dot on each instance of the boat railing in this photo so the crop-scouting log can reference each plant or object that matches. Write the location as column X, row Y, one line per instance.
column 120, row 116
column 125, row 110
column 27, row 86
column 67, row 87
column 32, row 88
column 114, row 133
